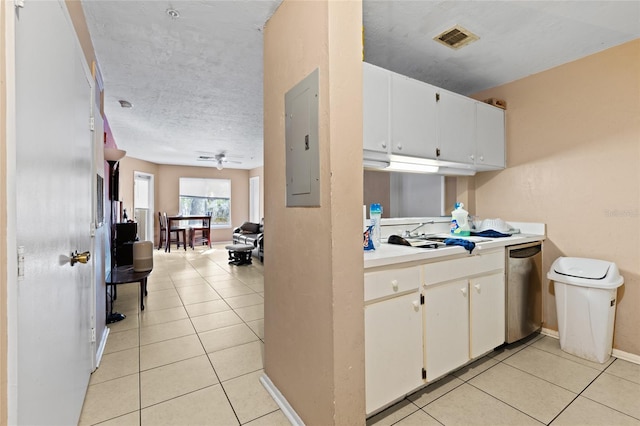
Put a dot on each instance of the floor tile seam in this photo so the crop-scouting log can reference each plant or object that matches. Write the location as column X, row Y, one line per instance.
column 572, row 360
column 166, row 339
column 259, row 417
column 146, row 370
column 417, row 408
column 434, row 400
column 112, row 379
column 610, row 407
column 547, row 381
column 178, row 396
column 509, row 405
column 615, row 375
column 245, row 323
column 483, row 371
column 239, row 375
column 600, row 402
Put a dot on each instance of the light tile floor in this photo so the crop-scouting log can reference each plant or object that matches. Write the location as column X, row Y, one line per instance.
column 531, row 382
column 195, row 354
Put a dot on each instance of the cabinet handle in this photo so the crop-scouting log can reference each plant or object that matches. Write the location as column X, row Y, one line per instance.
column 472, row 157
column 384, row 145
column 464, row 291
column 482, row 158
column 416, row 305
column 394, row 284
column 477, row 287
column 399, row 146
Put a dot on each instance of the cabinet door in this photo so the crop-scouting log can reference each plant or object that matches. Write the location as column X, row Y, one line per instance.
column 413, row 117
column 375, row 107
column 446, row 310
column 456, row 127
column 393, row 349
column 486, row 310
column 490, row 137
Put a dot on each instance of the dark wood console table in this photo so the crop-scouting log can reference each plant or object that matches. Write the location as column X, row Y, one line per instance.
column 123, row 275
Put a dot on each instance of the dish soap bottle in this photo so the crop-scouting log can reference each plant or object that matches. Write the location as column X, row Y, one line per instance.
column 375, row 213
column 459, row 221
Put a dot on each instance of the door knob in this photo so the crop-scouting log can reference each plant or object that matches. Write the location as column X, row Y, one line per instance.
column 79, row 257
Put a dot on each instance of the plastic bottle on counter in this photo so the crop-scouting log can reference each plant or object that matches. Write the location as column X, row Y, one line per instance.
column 460, row 222
column 375, row 213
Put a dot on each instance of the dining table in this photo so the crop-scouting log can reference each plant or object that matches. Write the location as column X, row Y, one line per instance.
column 204, row 221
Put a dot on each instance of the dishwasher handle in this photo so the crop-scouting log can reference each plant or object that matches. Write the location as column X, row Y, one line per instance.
column 525, row 252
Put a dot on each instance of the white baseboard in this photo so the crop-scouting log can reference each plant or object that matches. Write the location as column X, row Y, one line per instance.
column 102, row 345
column 615, row 352
column 550, row 333
column 282, row 402
column 626, row 356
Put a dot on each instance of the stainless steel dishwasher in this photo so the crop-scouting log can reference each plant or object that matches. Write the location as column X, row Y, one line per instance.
column 523, row 290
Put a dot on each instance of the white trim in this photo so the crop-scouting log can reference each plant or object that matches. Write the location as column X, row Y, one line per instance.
column 282, row 402
column 626, row 356
column 10, row 170
column 615, row 352
column 103, row 344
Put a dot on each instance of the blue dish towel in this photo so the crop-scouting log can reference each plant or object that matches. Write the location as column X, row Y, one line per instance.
column 469, row 245
column 490, row 233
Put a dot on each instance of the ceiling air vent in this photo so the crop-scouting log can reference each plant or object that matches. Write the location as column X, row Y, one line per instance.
column 456, row 37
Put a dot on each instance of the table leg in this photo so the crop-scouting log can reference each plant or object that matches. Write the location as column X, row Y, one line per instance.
column 113, row 316
column 143, row 292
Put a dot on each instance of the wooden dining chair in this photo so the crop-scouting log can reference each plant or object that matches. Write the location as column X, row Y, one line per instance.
column 205, row 233
column 170, row 230
column 163, row 230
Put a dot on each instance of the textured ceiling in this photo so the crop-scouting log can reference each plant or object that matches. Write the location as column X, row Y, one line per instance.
column 195, row 82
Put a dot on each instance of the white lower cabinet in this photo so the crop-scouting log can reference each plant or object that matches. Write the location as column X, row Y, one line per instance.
column 393, row 339
column 463, row 315
column 486, row 312
column 446, row 308
column 460, row 317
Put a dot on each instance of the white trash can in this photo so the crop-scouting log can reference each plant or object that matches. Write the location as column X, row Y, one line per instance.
column 586, row 305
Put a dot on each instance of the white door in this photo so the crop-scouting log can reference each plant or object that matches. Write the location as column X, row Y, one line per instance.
column 413, row 117
column 53, row 195
column 393, row 349
column 375, row 108
column 254, row 199
column 446, row 308
column 486, row 312
column 143, row 205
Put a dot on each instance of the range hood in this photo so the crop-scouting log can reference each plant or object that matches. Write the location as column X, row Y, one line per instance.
column 401, row 163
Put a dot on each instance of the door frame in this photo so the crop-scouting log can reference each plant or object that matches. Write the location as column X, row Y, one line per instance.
column 150, row 222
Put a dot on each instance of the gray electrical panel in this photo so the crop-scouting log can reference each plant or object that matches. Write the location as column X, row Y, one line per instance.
column 301, row 138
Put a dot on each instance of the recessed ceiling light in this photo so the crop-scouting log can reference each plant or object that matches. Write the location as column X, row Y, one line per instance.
column 125, row 104
column 174, row 14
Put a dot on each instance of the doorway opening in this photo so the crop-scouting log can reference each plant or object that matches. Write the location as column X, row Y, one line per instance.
column 143, row 204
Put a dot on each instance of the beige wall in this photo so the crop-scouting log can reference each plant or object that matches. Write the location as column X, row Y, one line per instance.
column 166, row 190
column 573, row 149
column 313, row 270
column 377, row 189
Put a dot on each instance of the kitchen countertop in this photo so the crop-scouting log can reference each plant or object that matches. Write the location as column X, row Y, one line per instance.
column 390, row 254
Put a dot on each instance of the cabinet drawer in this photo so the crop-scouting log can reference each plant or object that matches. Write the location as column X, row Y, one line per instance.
column 387, row 283
column 464, row 267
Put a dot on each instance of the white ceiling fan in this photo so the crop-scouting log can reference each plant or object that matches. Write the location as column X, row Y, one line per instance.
column 220, row 159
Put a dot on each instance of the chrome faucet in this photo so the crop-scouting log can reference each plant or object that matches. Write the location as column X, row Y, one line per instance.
column 408, row 233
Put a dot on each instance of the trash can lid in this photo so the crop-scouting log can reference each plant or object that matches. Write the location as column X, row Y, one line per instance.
column 585, row 272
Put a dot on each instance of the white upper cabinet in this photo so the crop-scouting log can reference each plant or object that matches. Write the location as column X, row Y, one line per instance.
column 456, row 127
column 404, row 116
column 490, row 137
column 375, row 98
column 413, row 117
